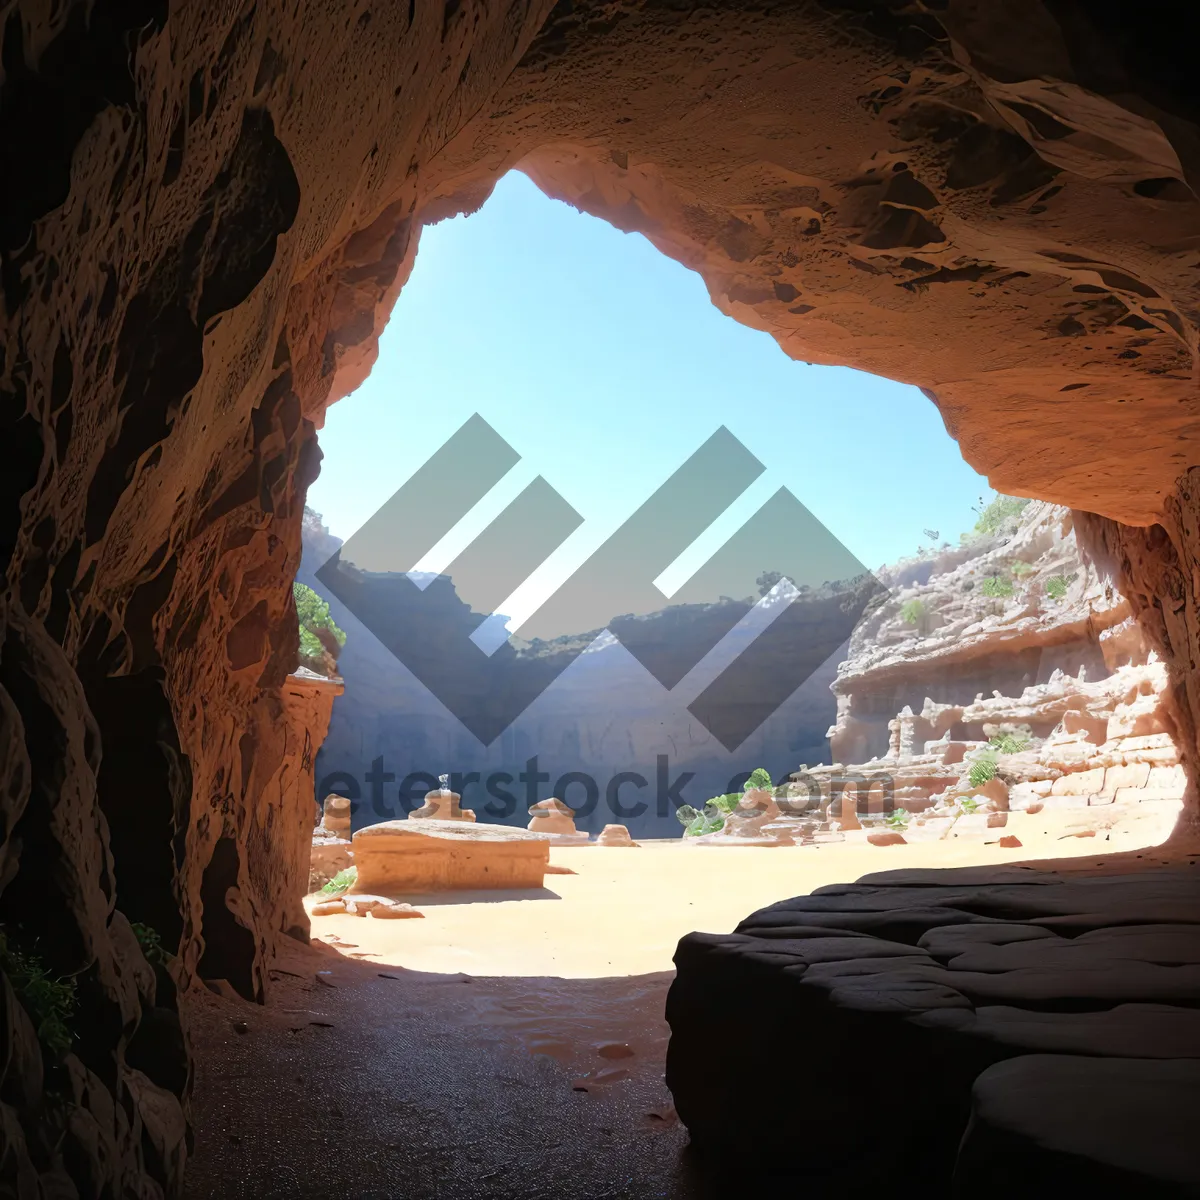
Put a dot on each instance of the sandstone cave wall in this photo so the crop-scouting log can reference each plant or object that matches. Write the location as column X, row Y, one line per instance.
column 215, row 208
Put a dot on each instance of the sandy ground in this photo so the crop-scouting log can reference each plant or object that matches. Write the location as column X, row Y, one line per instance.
column 624, row 910
column 508, row 1048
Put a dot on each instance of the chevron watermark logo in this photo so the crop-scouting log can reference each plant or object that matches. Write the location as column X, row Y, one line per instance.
column 781, row 573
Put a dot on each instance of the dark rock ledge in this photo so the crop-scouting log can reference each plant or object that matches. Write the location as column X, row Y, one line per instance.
column 972, row 1032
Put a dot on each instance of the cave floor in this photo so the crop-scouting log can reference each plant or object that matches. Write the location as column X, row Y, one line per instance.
column 475, row 1069
column 382, row 1082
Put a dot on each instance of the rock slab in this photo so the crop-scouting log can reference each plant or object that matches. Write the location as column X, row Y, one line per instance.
column 895, row 997
column 397, row 857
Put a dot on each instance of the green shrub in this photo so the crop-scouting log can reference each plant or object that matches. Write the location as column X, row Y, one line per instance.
column 725, row 804
column 993, row 516
column 983, row 769
column 968, row 804
column 151, row 943
column 997, row 587
column 341, row 882
column 313, row 614
column 685, row 814
column 898, row 818
column 1056, row 586
column 1010, row 743
column 758, row 779
column 49, row 1001
column 913, row 612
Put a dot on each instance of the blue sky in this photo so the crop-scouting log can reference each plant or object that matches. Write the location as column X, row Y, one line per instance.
column 604, row 365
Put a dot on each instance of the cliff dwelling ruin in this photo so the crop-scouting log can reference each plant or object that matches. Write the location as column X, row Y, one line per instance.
column 208, row 212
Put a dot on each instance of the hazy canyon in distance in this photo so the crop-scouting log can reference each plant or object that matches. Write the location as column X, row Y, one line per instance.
column 603, row 717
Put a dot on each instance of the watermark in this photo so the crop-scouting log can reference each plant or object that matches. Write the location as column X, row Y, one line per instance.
column 782, row 562
column 624, row 795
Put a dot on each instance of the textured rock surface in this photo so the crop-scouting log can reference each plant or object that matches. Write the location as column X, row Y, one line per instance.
column 398, row 857
column 217, row 206
column 614, row 835
column 901, row 990
column 442, row 805
column 1071, row 676
column 308, row 703
column 331, row 851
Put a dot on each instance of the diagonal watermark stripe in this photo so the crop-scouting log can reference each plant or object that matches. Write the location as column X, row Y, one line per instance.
column 428, row 629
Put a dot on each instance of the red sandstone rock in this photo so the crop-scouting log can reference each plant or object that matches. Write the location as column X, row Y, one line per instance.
column 887, row 837
column 615, row 835
column 203, row 256
column 1009, row 841
column 431, row 855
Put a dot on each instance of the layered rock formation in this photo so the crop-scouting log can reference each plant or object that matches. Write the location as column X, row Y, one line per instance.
column 1079, row 711
column 216, row 207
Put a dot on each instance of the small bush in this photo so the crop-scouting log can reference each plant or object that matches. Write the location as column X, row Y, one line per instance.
column 898, row 818
column 341, row 882
column 1010, row 743
column 49, row 1001
column 997, row 587
column 758, row 779
column 993, row 516
column 968, row 804
column 913, row 612
column 685, row 814
column 1056, row 586
column 725, row 804
column 983, row 769
column 315, row 619
column 151, row 943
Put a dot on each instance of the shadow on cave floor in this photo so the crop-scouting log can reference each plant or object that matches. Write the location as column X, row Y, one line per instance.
column 368, row 1081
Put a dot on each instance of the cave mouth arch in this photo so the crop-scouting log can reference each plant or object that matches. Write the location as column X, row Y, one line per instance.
column 634, row 369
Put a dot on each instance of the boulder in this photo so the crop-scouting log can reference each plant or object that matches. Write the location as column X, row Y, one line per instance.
column 556, row 820
column 887, row 837
column 615, row 835
column 336, row 814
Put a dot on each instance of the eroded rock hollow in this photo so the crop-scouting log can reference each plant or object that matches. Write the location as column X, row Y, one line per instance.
column 207, row 214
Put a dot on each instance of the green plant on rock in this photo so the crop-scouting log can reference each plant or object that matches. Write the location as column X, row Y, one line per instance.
column 968, row 805
column 48, row 1000
column 898, row 819
column 725, row 804
column 1009, row 743
column 914, row 612
column 151, row 943
column 994, row 516
column 1056, row 586
column 997, row 587
column 320, row 637
column 341, row 882
column 983, row 769
column 685, row 814
column 759, row 778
